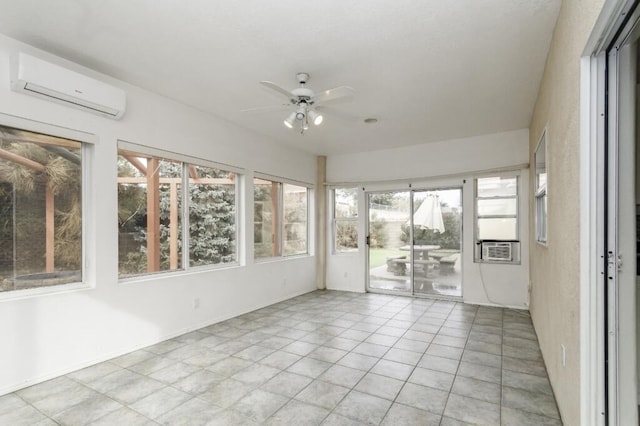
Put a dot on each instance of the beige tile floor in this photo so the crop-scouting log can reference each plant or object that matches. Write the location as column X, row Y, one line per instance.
column 327, row 357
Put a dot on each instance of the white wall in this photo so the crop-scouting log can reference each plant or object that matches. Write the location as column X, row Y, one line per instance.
column 437, row 165
column 431, row 159
column 47, row 335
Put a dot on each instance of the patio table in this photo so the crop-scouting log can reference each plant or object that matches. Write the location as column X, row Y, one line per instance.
column 421, row 251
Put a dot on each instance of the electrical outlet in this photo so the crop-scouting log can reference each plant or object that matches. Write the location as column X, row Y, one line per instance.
column 563, row 354
column 196, row 303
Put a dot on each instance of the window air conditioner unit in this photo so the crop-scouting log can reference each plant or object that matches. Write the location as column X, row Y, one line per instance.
column 497, row 251
column 52, row 82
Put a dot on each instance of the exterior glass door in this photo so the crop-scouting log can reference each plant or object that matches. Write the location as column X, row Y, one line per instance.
column 622, row 222
column 389, row 256
column 437, row 242
column 417, row 253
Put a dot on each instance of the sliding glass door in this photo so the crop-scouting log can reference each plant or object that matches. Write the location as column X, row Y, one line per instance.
column 414, row 242
column 390, row 261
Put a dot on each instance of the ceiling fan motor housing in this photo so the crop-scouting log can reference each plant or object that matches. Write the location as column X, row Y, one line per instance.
column 302, row 77
column 303, row 94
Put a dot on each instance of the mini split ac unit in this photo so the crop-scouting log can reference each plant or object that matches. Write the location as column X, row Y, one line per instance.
column 52, row 82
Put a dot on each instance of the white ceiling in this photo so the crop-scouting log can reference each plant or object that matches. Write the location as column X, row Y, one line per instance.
column 428, row 70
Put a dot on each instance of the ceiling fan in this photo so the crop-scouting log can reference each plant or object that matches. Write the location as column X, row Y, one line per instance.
column 304, row 101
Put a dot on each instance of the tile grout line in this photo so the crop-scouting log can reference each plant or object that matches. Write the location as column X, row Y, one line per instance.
column 332, row 410
column 455, row 375
column 367, row 372
column 412, row 370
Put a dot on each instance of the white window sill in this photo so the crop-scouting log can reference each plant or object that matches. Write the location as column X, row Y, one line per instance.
column 153, row 276
column 281, row 258
column 29, row 293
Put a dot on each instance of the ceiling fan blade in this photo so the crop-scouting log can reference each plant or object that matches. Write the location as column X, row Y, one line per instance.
column 333, row 94
column 280, row 90
column 267, row 108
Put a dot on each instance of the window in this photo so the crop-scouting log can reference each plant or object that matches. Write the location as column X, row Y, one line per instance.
column 157, row 219
column 266, row 198
column 295, row 202
column 345, row 220
column 497, row 208
column 40, row 210
column 540, row 160
column 212, row 216
column 280, row 219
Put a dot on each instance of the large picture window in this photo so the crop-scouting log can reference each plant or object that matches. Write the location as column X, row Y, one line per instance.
column 345, row 220
column 497, row 208
column 161, row 226
column 40, row 210
column 281, row 219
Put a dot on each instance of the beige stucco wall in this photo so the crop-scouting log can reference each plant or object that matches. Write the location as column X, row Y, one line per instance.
column 554, row 269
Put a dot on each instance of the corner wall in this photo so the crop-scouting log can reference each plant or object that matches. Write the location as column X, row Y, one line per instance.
column 555, row 296
column 52, row 334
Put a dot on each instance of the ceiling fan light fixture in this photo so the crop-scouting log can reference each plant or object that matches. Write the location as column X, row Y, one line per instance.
column 302, row 112
column 315, row 117
column 289, row 120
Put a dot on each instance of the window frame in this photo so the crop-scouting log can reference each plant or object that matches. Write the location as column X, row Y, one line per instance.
column 541, row 192
column 87, row 142
column 335, row 219
column 280, row 227
column 185, row 162
column 515, row 197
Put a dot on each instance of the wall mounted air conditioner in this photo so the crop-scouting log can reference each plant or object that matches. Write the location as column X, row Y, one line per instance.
column 497, row 251
column 52, row 82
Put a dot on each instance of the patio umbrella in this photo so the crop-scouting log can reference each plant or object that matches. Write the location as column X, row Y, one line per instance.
column 429, row 214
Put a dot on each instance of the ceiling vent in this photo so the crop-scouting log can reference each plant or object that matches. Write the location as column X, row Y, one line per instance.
column 48, row 81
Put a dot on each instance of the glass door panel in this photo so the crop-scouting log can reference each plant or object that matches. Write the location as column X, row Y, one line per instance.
column 388, row 241
column 437, row 242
